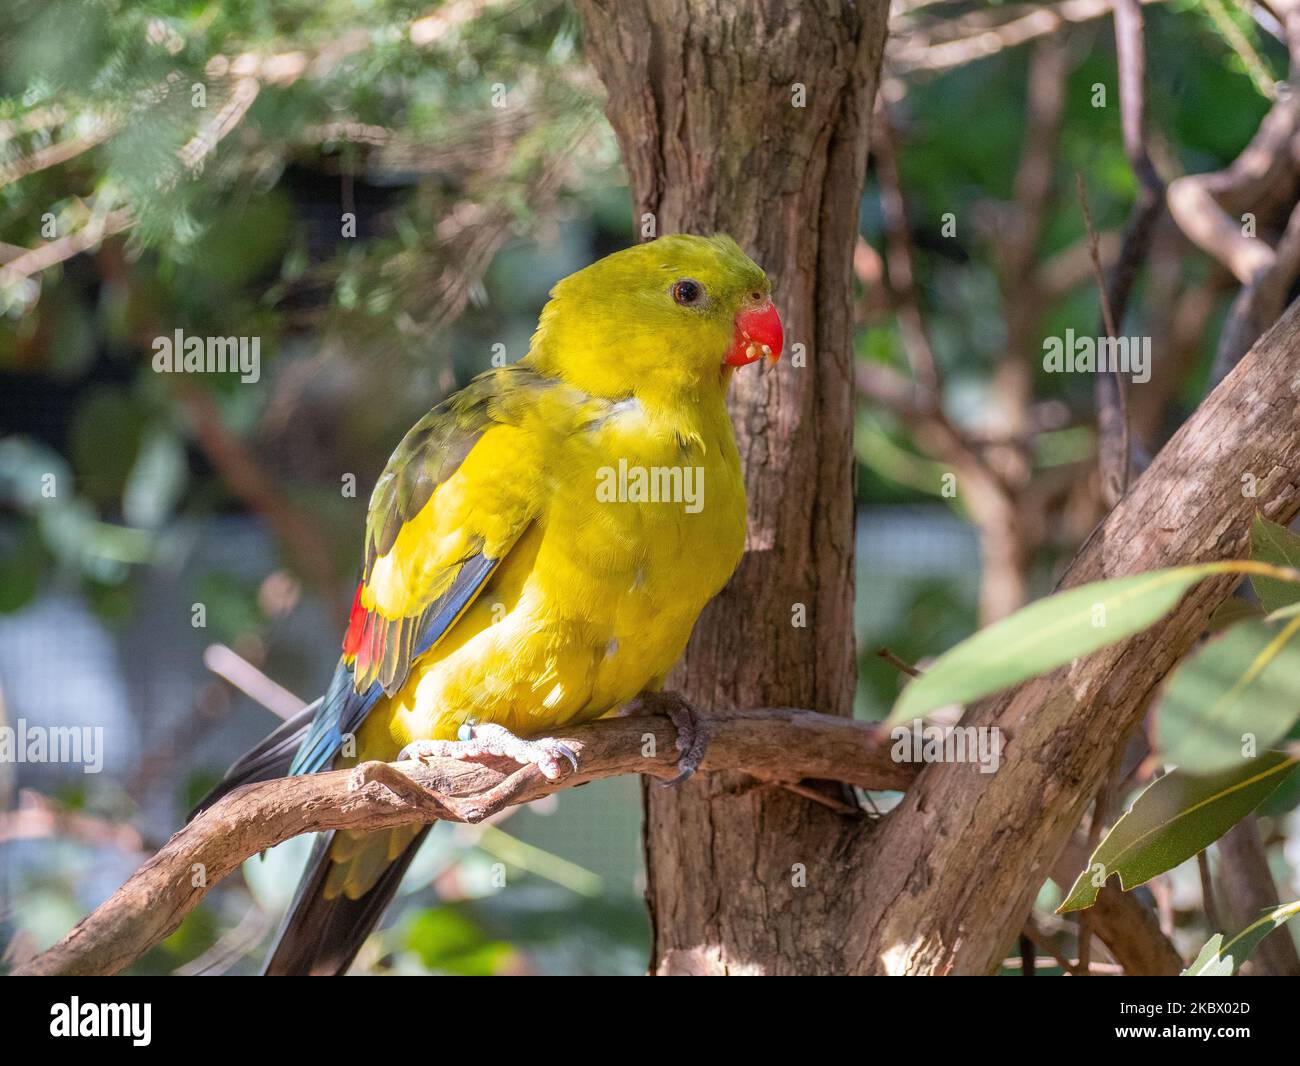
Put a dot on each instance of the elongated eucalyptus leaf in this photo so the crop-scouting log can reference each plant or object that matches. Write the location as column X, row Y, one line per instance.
column 1048, row 633
column 1218, row 959
column 1277, row 545
column 1209, row 963
column 1233, row 698
column 1286, row 797
column 1173, row 819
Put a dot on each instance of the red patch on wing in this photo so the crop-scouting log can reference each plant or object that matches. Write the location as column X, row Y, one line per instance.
column 356, row 623
column 373, row 640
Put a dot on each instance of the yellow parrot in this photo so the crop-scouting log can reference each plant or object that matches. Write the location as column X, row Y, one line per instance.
column 537, row 551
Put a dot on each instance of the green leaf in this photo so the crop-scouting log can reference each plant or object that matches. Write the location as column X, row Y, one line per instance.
column 1174, row 818
column 1045, row 635
column 1277, row 545
column 1286, row 797
column 1220, row 960
column 1231, row 611
column 1242, row 684
column 1208, row 963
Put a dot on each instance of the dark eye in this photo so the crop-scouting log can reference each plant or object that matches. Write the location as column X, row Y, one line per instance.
column 687, row 292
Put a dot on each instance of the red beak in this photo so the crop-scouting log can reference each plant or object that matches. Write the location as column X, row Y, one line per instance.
column 758, row 333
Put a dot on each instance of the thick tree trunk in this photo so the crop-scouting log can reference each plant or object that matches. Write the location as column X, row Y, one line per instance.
column 947, row 880
column 752, row 118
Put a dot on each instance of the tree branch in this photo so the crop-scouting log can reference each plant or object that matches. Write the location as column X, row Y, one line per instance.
column 954, row 905
column 1248, row 890
column 248, row 480
column 44, row 256
column 1114, row 451
column 986, row 33
column 772, row 745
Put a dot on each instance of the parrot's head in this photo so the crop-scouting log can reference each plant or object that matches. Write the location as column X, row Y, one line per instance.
column 671, row 316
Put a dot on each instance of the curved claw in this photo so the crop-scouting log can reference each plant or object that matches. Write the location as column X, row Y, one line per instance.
column 692, row 737
column 563, row 749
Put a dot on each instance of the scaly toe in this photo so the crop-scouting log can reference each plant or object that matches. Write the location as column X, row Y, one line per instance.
column 547, row 755
column 420, row 750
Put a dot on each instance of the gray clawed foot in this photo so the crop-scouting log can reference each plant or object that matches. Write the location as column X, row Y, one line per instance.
column 692, row 728
column 487, row 739
column 692, row 735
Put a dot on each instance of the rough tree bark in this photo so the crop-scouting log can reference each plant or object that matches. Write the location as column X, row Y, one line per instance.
column 700, row 99
column 718, row 135
column 945, row 882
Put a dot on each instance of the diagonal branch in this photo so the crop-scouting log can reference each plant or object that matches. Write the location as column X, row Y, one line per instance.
column 58, row 152
column 44, row 256
column 1220, row 212
column 774, row 746
column 954, row 905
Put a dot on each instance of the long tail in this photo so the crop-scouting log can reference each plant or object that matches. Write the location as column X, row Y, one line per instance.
column 350, row 878
column 322, row 933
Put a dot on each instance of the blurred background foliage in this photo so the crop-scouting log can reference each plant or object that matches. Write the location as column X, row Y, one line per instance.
column 382, row 192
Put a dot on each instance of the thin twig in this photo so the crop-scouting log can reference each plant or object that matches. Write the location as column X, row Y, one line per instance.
column 252, row 483
column 1043, row 943
column 897, row 663
column 44, row 256
column 230, row 666
column 1114, row 448
column 1094, row 253
column 1100, row 816
column 917, row 52
column 899, row 258
column 1112, row 402
column 59, row 152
